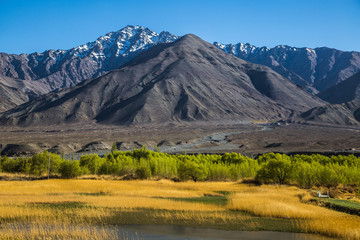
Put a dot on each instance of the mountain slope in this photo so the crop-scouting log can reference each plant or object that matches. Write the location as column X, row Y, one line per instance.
column 342, row 114
column 186, row 80
column 344, row 107
column 313, row 69
column 345, row 91
column 14, row 92
column 10, row 97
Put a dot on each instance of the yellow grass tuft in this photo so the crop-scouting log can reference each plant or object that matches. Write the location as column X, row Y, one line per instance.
column 271, row 201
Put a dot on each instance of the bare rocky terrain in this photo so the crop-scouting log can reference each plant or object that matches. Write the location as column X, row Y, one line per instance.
column 200, row 137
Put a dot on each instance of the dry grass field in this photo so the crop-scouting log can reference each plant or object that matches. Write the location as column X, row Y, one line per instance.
column 91, row 209
column 292, row 203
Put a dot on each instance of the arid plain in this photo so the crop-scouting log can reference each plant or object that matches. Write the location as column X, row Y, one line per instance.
column 248, row 139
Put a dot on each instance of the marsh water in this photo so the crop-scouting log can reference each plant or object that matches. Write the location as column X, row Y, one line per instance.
column 166, row 232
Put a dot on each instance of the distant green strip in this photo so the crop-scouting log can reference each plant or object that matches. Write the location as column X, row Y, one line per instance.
column 347, row 206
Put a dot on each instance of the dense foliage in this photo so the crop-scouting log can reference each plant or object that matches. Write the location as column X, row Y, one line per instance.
column 304, row 170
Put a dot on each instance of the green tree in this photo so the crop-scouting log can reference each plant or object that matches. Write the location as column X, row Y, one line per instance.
column 277, row 169
column 191, row 169
column 305, row 174
column 91, row 163
column 10, row 165
column 70, row 169
column 39, row 163
column 233, row 158
column 141, row 153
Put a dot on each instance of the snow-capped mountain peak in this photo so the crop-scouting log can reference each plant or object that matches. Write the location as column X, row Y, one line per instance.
column 64, row 68
column 239, row 49
column 124, row 42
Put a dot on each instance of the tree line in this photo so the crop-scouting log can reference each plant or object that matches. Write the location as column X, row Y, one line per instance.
column 303, row 170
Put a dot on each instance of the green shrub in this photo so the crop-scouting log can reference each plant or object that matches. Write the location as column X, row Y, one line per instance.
column 70, row 169
column 143, row 172
column 91, row 163
column 327, row 176
column 39, row 163
column 305, row 174
column 141, row 153
column 233, row 158
column 11, row 165
column 219, row 172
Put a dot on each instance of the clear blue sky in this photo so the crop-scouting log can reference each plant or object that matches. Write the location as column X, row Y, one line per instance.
column 28, row 26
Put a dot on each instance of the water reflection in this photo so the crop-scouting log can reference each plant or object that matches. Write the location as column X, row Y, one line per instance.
column 162, row 232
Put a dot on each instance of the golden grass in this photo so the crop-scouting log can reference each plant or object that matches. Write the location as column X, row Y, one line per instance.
column 271, row 201
column 130, row 202
column 85, row 209
column 57, row 231
column 31, row 208
column 118, row 194
column 285, row 202
column 162, row 188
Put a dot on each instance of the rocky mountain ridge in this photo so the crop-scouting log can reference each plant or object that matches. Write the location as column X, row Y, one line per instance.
column 313, row 69
column 344, row 107
column 30, row 75
column 57, row 69
column 185, row 80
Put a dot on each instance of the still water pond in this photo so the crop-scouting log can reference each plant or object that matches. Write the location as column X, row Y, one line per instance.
column 152, row 232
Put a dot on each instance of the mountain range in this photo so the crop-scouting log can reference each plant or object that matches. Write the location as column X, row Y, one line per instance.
column 135, row 75
column 314, row 70
column 185, row 80
column 52, row 70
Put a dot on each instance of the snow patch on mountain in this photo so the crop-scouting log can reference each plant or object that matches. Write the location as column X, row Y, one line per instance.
column 127, row 40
